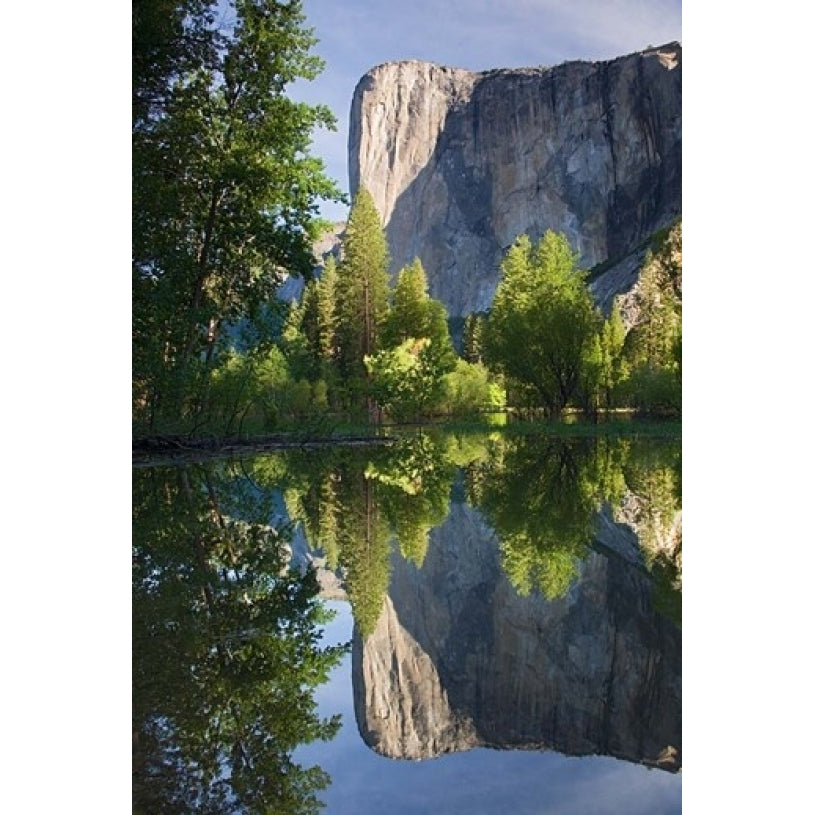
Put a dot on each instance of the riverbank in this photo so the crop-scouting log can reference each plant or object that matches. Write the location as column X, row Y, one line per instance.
column 149, row 451
column 174, row 449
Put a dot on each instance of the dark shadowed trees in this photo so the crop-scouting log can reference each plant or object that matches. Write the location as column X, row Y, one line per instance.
column 225, row 191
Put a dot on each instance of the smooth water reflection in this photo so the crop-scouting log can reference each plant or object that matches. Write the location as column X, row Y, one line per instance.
column 226, row 653
column 480, row 781
column 517, row 593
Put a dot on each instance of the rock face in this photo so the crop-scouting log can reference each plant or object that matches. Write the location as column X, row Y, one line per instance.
column 459, row 660
column 460, row 163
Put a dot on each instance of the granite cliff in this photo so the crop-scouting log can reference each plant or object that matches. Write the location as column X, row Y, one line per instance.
column 460, row 163
column 459, row 660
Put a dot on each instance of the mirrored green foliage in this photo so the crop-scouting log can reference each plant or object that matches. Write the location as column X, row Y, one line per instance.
column 226, row 652
column 542, row 496
column 653, row 474
column 416, row 479
column 354, row 504
column 340, row 509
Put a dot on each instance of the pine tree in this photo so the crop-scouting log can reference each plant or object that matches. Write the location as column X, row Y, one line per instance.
column 327, row 312
column 653, row 346
column 362, row 290
column 473, row 341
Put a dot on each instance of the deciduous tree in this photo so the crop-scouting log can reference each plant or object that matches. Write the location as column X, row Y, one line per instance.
column 542, row 320
column 225, row 191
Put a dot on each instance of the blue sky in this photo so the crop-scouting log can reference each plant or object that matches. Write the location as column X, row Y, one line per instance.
column 356, row 35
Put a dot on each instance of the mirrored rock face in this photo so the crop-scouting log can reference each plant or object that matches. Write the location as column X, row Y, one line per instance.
column 459, row 659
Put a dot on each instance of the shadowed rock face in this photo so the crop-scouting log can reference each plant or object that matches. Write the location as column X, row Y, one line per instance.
column 459, row 660
column 460, row 163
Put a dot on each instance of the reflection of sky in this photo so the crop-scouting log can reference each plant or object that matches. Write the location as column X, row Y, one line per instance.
column 478, row 782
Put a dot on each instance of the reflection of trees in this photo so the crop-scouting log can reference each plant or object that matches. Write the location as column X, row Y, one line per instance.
column 364, row 545
column 226, row 654
column 340, row 509
column 653, row 474
column 416, row 478
column 541, row 496
column 352, row 503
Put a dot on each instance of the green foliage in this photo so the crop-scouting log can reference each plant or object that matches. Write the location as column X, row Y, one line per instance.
column 226, row 652
column 655, row 391
column 653, row 347
column 542, row 496
column 466, row 449
column 309, row 334
column 361, row 287
column 407, row 374
column 543, row 320
column 225, row 192
column 605, row 367
column 294, row 342
column 407, row 381
column 248, row 390
column 352, row 504
column 473, row 339
column 258, row 392
column 340, row 507
column 416, row 477
column 653, row 475
column 364, row 541
column 322, row 330
column 470, row 389
column 414, row 314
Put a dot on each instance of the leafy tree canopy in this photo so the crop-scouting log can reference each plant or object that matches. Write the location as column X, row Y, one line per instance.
column 225, row 190
column 542, row 320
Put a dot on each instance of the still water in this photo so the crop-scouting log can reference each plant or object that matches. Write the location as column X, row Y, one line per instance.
column 452, row 623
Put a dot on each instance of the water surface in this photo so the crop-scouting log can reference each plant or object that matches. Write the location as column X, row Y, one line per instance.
column 506, row 629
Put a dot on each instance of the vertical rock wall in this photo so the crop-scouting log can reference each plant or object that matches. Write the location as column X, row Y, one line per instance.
column 460, row 163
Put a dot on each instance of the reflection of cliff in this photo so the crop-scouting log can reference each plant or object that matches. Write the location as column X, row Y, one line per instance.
column 459, row 660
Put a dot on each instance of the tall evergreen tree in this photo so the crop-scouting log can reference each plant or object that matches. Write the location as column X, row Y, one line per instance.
column 309, row 331
column 414, row 314
column 658, row 302
column 408, row 372
column 653, row 346
column 324, row 336
column 473, row 340
column 605, row 365
column 362, row 288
